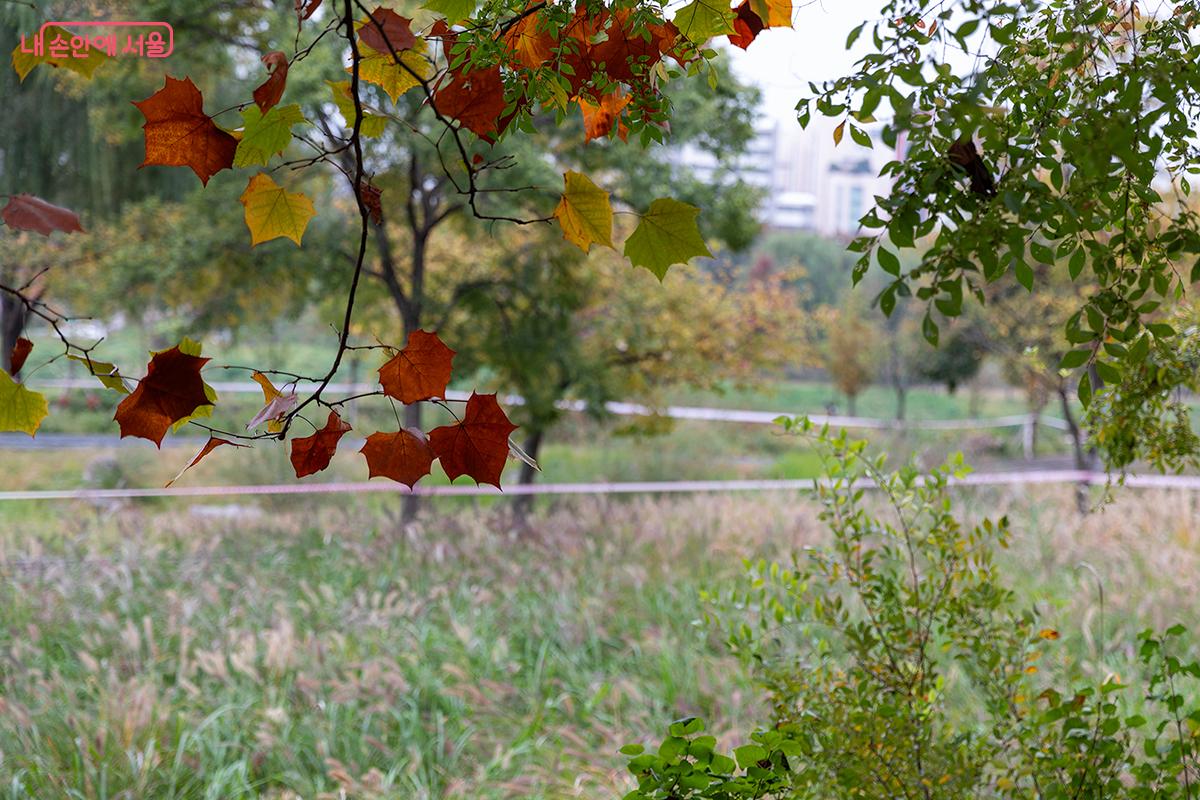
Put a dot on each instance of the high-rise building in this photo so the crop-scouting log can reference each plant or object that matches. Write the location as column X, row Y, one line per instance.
column 809, row 182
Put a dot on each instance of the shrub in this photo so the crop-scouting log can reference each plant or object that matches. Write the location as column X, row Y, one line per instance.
column 899, row 665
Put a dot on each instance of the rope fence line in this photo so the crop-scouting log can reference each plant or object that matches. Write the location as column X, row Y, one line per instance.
column 1184, row 482
column 621, row 408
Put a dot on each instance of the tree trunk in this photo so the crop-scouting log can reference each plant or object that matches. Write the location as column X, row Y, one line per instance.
column 898, row 376
column 1081, row 458
column 523, row 503
column 852, row 404
column 411, row 504
column 13, row 317
column 1029, row 432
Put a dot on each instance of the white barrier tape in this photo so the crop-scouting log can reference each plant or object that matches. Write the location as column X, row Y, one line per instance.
column 1188, row 482
column 675, row 412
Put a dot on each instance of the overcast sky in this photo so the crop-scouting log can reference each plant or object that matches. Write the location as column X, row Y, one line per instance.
column 782, row 61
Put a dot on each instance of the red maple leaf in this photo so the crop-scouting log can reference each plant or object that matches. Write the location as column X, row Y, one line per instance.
column 385, row 27
column 267, row 95
column 171, row 391
column 477, row 446
column 180, row 134
column 306, row 8
column 372, row 198
column 24, row 212
column 474, row 98
column 20, row 352
column 421, row 371
column 312, row 454
column 403, row 456
column 747, row 26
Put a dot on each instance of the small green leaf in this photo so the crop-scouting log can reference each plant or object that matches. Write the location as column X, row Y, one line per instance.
column 1078, row 259
column 860, row 137
column 1085, row 390
column 749, row 754
column 929, row 329
column 1074, row 359
column 1024, row 274
column 888, row 261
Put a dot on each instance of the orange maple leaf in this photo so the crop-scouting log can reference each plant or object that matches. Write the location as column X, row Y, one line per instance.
column 529, row 42
column 598, row 120
column 403, row 456
column 628, row 55
column 420, row 371
column 477, row 446
column 171, row 391
column 180, row 134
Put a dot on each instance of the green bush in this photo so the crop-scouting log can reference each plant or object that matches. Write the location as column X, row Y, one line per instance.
column 899, row 665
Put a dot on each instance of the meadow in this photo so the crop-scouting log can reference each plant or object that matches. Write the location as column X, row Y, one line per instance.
column 314, row 649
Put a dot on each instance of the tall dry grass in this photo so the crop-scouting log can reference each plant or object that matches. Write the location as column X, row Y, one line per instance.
column 317, row 651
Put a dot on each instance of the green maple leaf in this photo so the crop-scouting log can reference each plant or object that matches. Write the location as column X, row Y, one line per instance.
column 453, row 10
column 701, row 20
column 265, row 135
column 667, row 235
column 20, row 409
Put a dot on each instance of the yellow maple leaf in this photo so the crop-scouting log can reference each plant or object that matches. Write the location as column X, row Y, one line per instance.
column 585, row 212
column 773, row 13
column 394, row 78
column 24, row 62
column 272, row 211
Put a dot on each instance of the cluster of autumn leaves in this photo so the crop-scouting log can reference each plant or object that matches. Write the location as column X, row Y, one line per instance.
column 606, row 58
column 174, row 393
column 607, row 61
column 476, row 445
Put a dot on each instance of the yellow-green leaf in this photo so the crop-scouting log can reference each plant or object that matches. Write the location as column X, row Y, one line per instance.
column 20, row 409
column 453, row 10
column 701, row 20
column 106, row 373
column 24, row 63
column 585, row 212
column 667, row 235
column 394, row 78
column 265, row 135
column 272, row 211
column 372, row 124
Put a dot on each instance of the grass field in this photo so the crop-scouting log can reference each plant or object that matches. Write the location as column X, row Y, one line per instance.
column 312, row 650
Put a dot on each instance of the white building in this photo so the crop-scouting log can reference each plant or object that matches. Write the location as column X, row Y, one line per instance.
column 809, row 183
